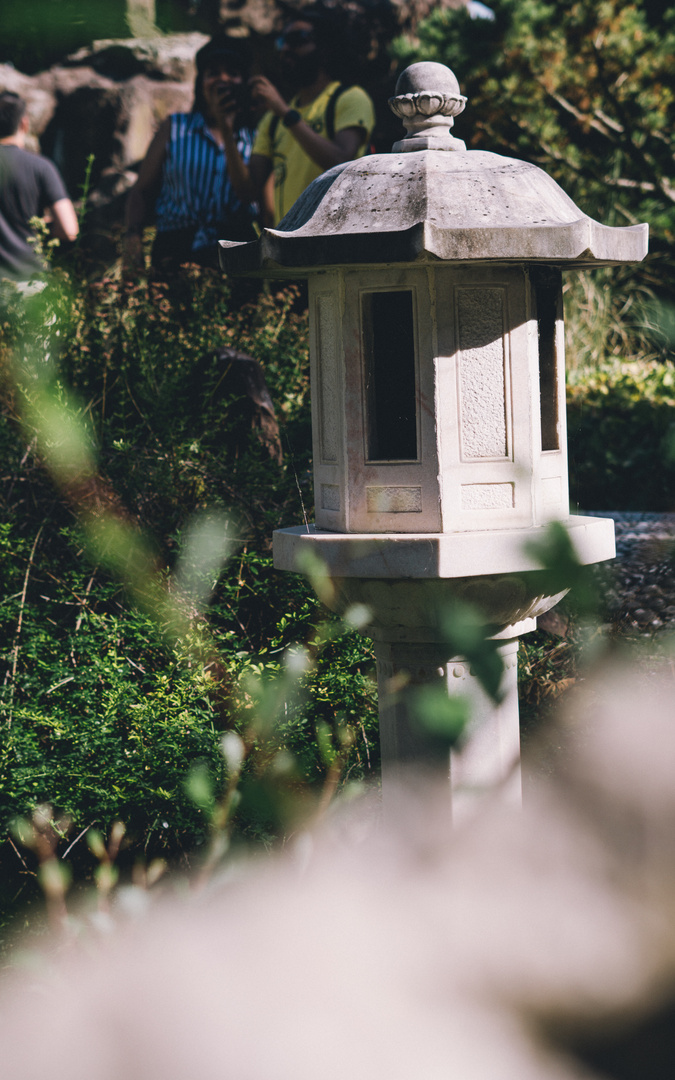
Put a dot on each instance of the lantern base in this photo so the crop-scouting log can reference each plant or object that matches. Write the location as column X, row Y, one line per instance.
column 437, row 555
column 403, row 587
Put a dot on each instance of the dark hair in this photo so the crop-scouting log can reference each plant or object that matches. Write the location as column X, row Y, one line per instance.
column 233, row 53
column 12, row 111
column 341, row 33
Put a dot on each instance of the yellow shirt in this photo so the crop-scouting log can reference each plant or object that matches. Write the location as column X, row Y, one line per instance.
column 293, row 168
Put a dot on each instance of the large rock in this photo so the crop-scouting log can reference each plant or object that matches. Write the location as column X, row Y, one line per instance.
column 107, row 100
column 114, row 121
column 169, row 56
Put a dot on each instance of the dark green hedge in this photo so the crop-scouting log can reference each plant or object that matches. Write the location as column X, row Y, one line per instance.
column 621, row 437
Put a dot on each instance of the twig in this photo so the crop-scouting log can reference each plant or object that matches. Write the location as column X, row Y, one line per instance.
column 330, row 784
column 78, row 837
column 66, row 586
column 297, row 483
column 139, row 411
column 280, row 323
column 365, row 740
column 18, row 854
column 83, row 601
column 62, row 682
column 29, row 451
column 103, row 396
column 22, row 605
column 642, row 160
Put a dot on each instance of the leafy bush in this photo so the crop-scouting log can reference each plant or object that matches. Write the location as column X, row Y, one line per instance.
column 111, row 709
column 621, row 436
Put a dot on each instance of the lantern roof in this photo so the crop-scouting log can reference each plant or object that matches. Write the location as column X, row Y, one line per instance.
column 432, row 200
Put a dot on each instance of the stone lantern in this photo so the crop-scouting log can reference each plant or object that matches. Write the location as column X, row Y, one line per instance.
column 438, row 402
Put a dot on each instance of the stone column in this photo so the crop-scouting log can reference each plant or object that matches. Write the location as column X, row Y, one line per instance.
column 486, row 761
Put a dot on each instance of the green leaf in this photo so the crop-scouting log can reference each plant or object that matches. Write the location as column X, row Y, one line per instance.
column 444, row 717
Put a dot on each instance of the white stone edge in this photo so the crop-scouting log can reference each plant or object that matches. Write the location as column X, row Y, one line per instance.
column 437, row 555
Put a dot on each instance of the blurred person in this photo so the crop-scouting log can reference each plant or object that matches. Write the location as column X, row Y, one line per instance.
column 30, row 186
column 184, row 177
column 326, row 123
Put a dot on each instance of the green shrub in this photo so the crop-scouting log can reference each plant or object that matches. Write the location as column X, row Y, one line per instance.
column 108, row 705
column 621, row 436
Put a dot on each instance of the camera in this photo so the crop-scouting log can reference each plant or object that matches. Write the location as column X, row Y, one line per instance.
column 234, row 94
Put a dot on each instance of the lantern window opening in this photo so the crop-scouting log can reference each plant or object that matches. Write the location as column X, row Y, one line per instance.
column 390, row 376
column 546, row 292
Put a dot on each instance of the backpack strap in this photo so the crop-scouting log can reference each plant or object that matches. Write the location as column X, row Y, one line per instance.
column 330, row 111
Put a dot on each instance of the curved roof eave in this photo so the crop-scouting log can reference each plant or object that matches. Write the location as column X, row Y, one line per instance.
column 583, row 242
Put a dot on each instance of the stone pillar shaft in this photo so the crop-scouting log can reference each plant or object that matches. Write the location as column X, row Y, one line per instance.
column 487, row 760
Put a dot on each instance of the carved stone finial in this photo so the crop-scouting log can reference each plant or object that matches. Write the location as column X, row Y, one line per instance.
column 427, row 99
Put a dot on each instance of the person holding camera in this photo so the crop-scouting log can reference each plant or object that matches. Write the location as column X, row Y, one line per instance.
column 184, row 177
column 326, row 123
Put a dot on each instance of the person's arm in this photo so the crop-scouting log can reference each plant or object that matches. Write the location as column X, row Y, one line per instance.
column 266, row 203
column 323, row 152
column 248, row 180
column 55, row 205
column 64, row 223
column 142, row 195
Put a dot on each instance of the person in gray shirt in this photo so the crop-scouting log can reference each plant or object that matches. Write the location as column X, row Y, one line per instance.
column 30, row 186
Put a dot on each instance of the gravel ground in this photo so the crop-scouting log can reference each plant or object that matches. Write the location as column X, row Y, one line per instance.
column 639, row 585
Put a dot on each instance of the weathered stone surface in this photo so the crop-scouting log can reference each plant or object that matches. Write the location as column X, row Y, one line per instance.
column 39, row 99
column 461, row 205
column 170, row 56
column 114, row 121
column 427, row 100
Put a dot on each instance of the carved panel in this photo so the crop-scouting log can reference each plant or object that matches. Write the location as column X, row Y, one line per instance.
column 482, row 373
column 487, row 496
column 394, row 500
column 330, row 497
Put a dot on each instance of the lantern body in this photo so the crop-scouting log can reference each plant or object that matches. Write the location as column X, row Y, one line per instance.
column 439, row 398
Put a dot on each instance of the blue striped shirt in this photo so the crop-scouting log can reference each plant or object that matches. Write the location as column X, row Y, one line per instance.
column 196, row 191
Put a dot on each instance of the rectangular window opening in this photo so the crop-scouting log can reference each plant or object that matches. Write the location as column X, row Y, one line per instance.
column 390, row 376
column 547, row 292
